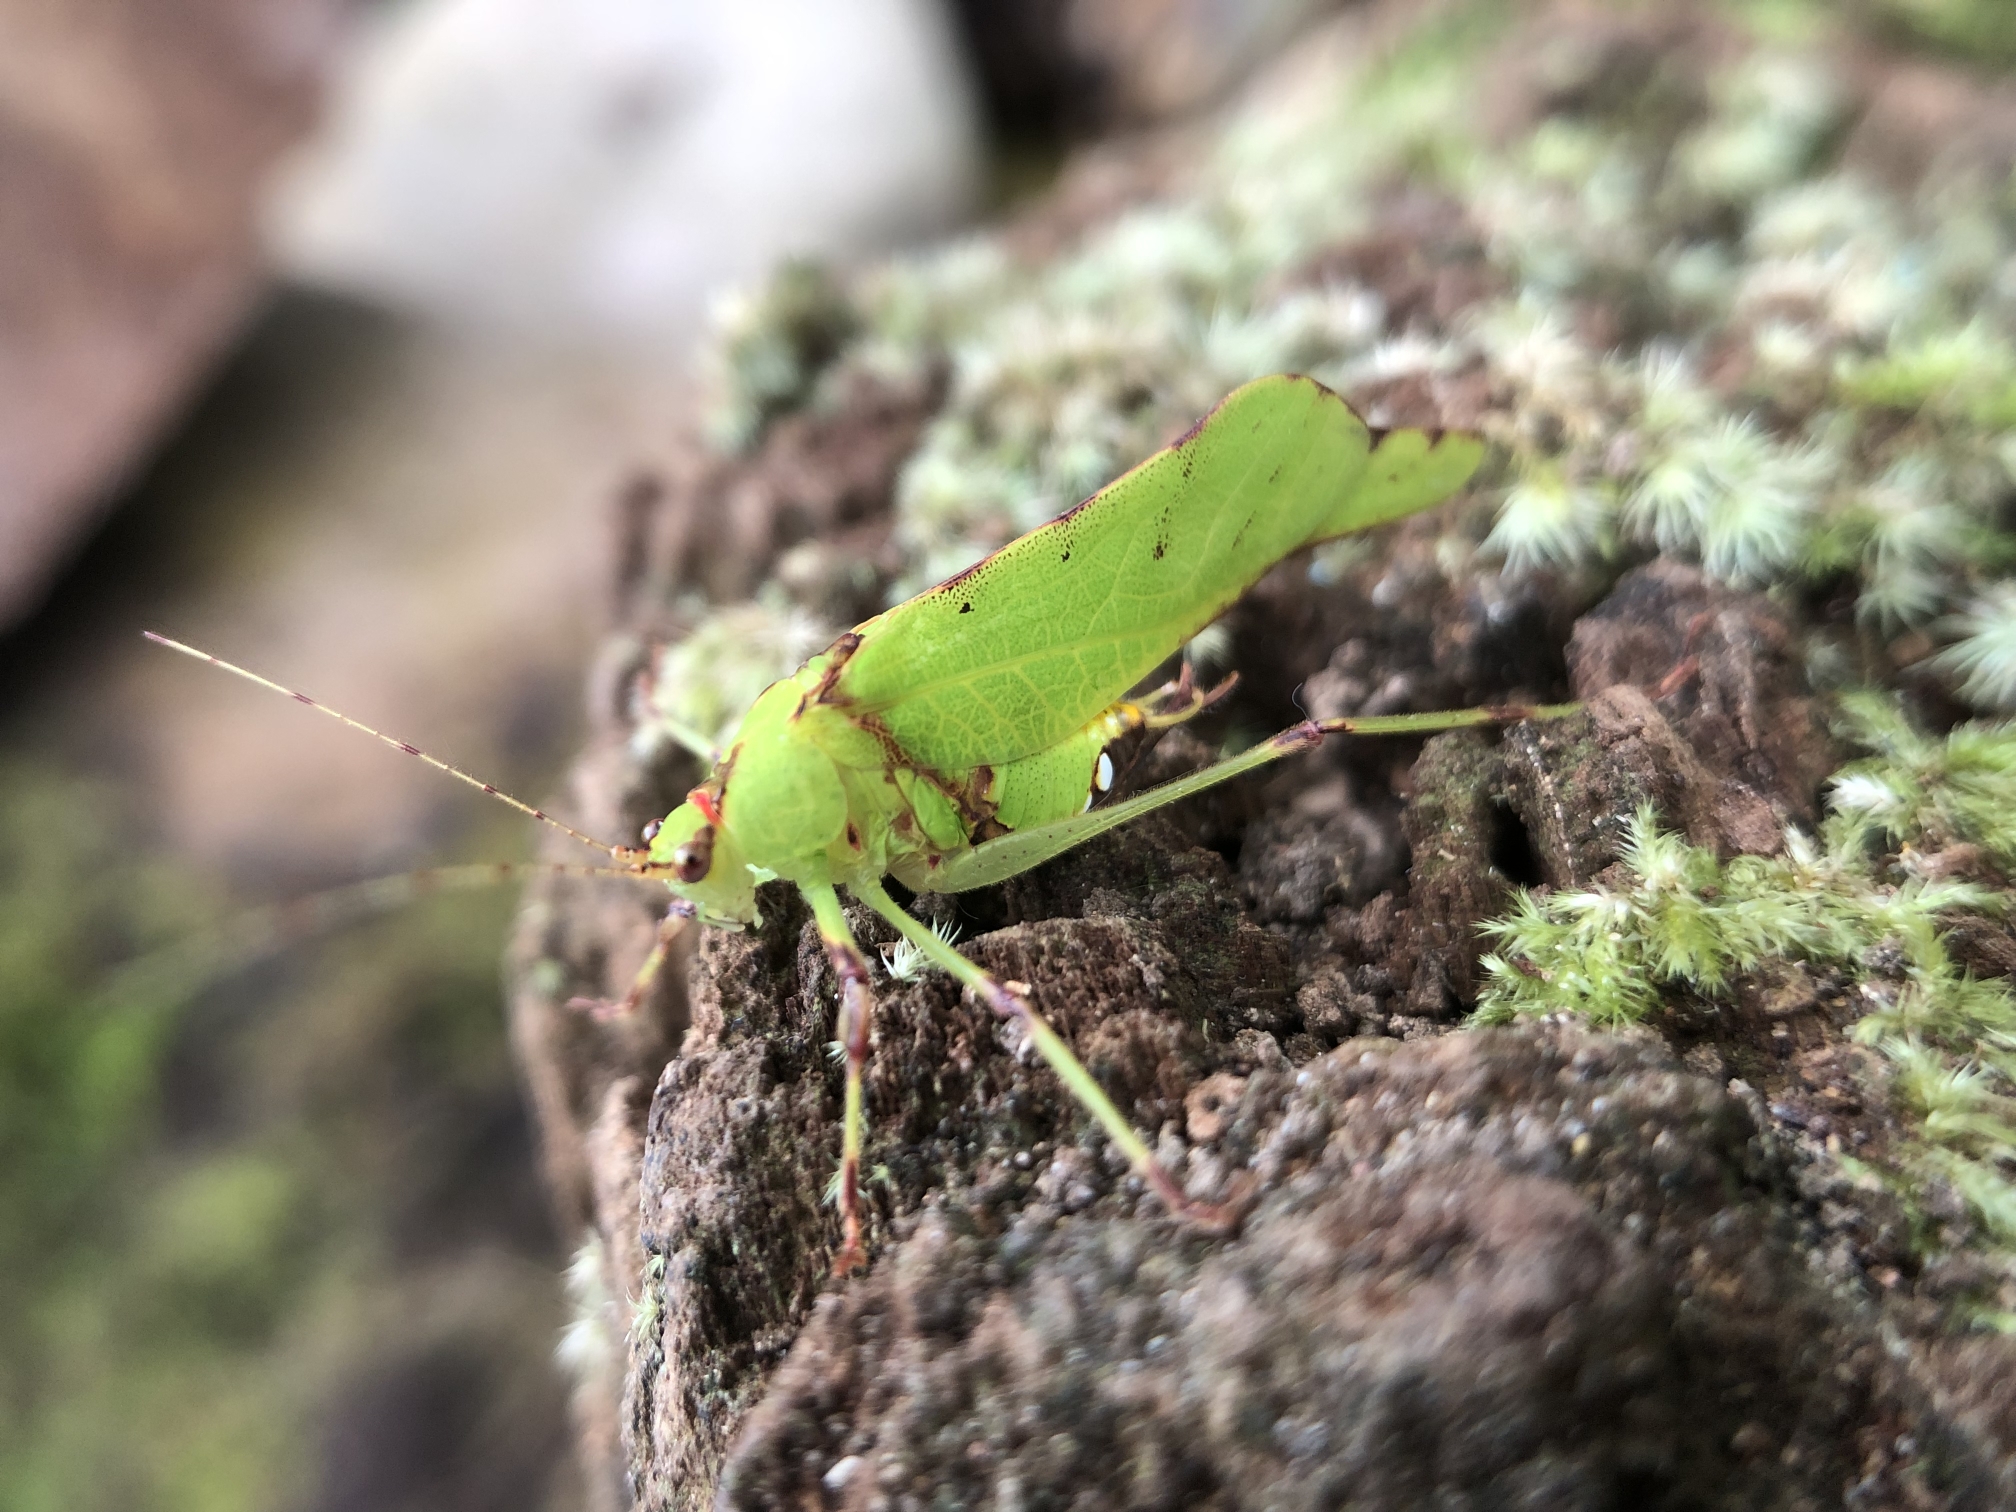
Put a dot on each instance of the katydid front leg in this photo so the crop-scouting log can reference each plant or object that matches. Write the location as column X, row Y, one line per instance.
column 851, row 1030
column 1012, row 854
column 677, row 917
column 1010, row 1001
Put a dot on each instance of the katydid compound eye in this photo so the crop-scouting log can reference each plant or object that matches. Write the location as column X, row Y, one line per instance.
column 691, row 860
column 651, row 830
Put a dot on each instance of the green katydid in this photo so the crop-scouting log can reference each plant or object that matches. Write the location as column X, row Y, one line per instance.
column 960, row 738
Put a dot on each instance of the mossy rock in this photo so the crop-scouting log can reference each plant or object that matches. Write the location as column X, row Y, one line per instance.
column 1687, row 527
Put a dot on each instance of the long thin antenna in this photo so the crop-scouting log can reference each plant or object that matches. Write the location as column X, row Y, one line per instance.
column 614, row 852
column 260, row 931
column 173, row 973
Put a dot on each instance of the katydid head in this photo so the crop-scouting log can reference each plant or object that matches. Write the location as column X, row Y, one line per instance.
column 707, row 866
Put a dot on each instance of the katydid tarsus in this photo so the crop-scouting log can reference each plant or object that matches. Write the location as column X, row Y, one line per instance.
column 960, row 738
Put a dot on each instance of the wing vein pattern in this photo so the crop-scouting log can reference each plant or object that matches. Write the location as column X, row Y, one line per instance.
column 1019, row 651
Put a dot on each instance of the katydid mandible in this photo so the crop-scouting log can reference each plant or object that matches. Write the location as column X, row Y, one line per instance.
column 960, row 738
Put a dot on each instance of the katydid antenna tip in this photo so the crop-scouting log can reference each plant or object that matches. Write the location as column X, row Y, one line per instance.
column 622, row 854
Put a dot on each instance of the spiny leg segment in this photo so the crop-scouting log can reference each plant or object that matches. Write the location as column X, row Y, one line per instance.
column 856, row 1005
column 1012, row 854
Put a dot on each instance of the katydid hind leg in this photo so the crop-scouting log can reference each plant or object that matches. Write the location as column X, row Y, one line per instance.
column 857, row 1004
column 1010, row 1001
column 1012, row 854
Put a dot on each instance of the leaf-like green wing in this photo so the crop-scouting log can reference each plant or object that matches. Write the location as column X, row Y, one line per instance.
column 1018, row 651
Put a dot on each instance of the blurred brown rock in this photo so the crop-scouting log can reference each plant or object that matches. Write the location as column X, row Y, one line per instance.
column 133, row 139
column 1161, row 58
column 1071, row 69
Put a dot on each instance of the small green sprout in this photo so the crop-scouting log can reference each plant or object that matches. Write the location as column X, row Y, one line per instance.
column 1965, row 373
column 1925, row 792
column 1983, row 655
column 1859, row 898
column 906, row 962
column 1605, row 953
column 1550, row 520
column 1732, row 494
column 648, row 1306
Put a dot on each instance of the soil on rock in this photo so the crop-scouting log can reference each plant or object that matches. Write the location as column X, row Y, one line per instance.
column 1517, row 1268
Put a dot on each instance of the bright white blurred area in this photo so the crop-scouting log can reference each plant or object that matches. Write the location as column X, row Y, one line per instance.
column 527, row 208
column 595, row 169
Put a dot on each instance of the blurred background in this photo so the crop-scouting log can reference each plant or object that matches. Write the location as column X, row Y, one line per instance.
column 330, row 334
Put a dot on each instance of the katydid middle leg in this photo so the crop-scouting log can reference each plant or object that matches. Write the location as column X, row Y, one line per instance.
column 1010, row 1003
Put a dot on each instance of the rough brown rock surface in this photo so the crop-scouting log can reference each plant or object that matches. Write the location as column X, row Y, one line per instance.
column 1518, row 1268
column 1534, row 1268
column 1536, row 1263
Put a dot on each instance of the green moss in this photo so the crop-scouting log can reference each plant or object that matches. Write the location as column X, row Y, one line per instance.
column 1063, row 373
column 770, row 348
column 223, row 1234
column 1964, row 375
column 701, row 685
column 179, row 1296
column 1924, row 793
column 1865, row 898
column 648, row 1307
column 99, row 1385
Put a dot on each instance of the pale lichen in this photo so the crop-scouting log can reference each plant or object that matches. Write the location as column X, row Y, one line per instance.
column 1816, row 376
column 698, row 686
